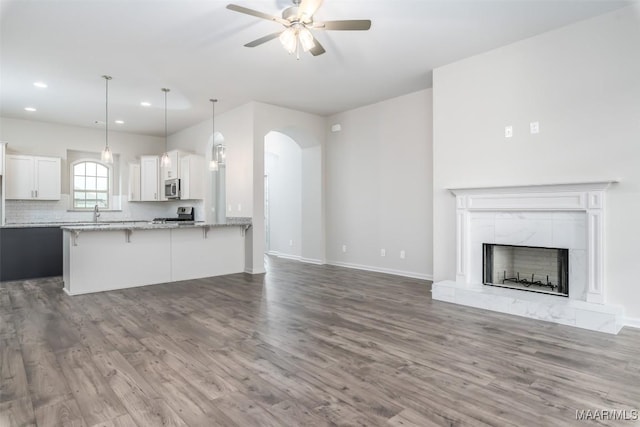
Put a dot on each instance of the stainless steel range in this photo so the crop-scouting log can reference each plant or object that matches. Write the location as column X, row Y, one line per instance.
column 186, row 215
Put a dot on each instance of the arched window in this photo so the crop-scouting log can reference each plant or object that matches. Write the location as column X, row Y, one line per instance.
column 90, row 185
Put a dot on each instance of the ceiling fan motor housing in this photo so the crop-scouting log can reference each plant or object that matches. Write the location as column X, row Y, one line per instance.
column 290, row 13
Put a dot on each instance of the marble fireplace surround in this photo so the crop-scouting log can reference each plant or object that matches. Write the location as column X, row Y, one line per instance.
column 554, row 215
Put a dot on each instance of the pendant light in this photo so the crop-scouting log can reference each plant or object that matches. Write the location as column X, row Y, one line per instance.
column 213, row 164
column 165, row 161
column 106, row 155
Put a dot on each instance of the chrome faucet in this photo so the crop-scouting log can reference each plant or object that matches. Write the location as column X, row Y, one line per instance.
column 96, row 213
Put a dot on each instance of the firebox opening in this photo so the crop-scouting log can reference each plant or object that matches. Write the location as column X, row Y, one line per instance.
column 527, row 268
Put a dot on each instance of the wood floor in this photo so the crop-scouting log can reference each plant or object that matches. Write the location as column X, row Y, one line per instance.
column 303, row 345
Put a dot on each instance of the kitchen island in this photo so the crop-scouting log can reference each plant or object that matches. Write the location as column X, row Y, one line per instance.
column 101, row 257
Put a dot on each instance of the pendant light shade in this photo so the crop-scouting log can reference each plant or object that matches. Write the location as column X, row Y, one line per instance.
column 106, row 155
column 216, row 138
column 165, row 161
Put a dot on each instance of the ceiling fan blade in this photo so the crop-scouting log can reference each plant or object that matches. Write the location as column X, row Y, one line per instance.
column 348, row 25
column 307, row 8
column 317, row 49
column 258, row 42
column 256, row 13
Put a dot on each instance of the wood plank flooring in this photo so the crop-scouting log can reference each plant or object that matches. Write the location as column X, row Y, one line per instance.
column 303, row 345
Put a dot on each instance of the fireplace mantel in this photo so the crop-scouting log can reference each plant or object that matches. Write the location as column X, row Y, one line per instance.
column 536, row 188
column 541, row 215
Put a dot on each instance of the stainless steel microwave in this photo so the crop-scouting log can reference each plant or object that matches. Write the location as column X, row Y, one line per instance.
column 172, row 188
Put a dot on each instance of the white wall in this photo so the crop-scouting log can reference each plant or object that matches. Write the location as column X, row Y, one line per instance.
column 581, row 83
column 244, row 130
column 308, row 130
column 237, row 128
column 379, row 186
column 283, row 166
column 48, row 139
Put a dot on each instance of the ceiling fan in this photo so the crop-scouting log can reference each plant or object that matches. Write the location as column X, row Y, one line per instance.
column 298, row 21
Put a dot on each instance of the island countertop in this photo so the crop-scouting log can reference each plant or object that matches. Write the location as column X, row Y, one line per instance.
column 231, row 222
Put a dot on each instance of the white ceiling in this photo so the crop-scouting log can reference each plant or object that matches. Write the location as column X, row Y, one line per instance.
column 195, row 48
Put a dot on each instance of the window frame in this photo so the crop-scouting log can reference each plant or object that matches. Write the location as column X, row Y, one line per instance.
column 72, row 190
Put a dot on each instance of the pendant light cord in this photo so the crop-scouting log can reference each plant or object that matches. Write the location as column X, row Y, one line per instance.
column 106, row 111
column 166, row 144
column 213, row 128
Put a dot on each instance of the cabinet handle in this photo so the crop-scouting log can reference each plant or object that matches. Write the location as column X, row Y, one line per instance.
column 36, row 194
column 155, row 196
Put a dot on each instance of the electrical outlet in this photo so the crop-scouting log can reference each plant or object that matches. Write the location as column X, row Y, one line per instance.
column 534, row 127
column 290, row 242
column 229, row 208
column 508, row 131
column 344, row 248
column 402, row 254
column 239, row 207
column 383, row 252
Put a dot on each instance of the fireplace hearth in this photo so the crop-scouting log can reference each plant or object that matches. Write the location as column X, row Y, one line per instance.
column 527, row 268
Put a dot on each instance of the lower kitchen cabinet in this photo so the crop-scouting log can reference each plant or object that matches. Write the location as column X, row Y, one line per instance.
column 29, row 253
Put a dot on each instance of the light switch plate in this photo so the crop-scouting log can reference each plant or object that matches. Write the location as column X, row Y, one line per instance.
column 534, row 127
column 508, row 131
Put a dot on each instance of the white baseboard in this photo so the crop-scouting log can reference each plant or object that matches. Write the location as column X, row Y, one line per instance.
column 287, row 256
column 312, row 261
column 295, row 257
column 632, row 322
column 402, row 273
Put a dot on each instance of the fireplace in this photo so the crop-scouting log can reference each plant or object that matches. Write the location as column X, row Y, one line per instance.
column 536, row 217
column 527, row 268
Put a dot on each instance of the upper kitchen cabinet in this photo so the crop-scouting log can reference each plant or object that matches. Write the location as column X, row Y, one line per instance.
column 192, row 177
column 134, row 182
column 149, row 173
column 32, row 177
column 2, row 149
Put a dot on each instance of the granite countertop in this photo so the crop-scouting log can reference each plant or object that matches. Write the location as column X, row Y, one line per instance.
column 69, row 223
column 128, row 225
column 231, row 222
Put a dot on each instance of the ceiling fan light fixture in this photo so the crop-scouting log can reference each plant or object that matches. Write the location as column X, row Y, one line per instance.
column 289, row 39
column 306, row 39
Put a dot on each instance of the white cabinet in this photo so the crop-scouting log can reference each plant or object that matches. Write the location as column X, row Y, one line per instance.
column 2, row 149
column 192, row 177
column 146, row 180
column 134, row 182
column 32, row 177
column 149, row 173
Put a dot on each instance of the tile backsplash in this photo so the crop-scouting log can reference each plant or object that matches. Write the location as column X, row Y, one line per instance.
column 31, row 211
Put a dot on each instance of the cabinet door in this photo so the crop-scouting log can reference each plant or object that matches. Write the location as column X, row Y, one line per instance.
column 134, row 183
column 19, row 177
column 192, row 177
column 149, row 189
column 47, row 178
column 2, row 149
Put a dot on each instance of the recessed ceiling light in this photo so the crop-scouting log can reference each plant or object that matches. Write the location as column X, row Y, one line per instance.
column 41, row 85
column 119, row 122
column 145, row 104
column 31, row 109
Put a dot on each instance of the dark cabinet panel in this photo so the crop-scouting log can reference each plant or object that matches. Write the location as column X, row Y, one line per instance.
column 28, row 253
